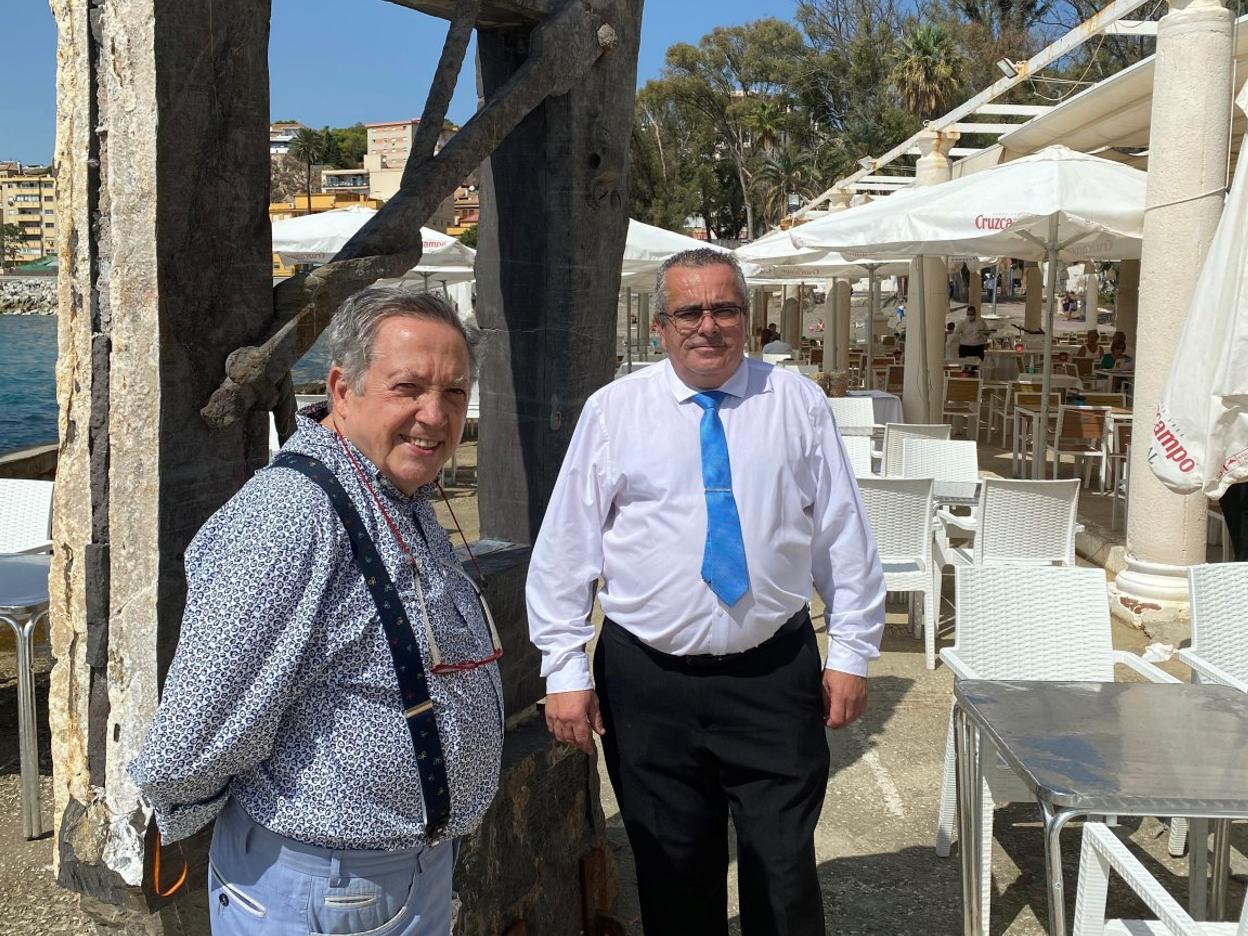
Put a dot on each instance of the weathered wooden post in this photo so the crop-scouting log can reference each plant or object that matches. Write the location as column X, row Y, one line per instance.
column 174, row 346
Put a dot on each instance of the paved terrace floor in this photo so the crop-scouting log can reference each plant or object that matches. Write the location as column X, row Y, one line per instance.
column 874, row 843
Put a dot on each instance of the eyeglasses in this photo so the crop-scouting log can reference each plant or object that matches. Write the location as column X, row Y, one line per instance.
column 688, row 320
column 439, row 667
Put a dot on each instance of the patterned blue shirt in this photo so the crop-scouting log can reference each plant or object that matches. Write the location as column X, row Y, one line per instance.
column 282, row 692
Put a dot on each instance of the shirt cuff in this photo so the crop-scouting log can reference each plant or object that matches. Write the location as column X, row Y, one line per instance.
column 844, row 660
column 571, row 676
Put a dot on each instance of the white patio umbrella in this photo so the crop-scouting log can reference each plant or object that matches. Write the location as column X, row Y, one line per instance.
column 316, row 238
column 1200, row 436
column 1054, row 205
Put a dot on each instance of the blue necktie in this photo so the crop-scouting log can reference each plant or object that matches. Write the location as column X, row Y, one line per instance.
column 723, row 560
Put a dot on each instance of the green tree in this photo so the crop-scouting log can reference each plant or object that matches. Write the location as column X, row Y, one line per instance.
column 469, row 237
column 927, row 70
column 12, row 243
column 786, row 171
column 351, row 144
column 726, row 76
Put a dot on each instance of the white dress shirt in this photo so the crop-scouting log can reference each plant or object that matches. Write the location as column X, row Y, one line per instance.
column 972, row 332
column 629, row 508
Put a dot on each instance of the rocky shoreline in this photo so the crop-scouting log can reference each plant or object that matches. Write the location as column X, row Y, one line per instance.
column 28, row 296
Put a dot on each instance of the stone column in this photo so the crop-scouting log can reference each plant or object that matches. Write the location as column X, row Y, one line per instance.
column 924, row 372
column 790, row 323
column 1033, row 282
column 975, row 294
column 1091, row 293
column 1186, row 174
column 162, row 168
column 843, row 294
column 1127, row 300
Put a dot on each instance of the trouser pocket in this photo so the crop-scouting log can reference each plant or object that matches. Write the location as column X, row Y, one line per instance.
column 373, row 904
column 235, row 912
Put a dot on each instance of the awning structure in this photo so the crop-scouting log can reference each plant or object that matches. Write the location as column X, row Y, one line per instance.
column 1111, row 119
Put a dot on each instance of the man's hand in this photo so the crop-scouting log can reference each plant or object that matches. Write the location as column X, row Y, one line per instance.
column 571, row 715
column 844, row 698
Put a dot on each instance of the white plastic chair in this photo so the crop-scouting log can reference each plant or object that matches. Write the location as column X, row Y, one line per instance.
column 858, row 448
column 952, row 463
column 1016, row 522
column 1102, row 851
column 25, row 516
column 853, row 415
column 1024, row 622
column 900, row 511
column 895, row 435
column 961, row 399
column 1080, row 433
column 1219, row 650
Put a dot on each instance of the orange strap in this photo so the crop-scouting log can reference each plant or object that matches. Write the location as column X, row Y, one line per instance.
column 177, row 885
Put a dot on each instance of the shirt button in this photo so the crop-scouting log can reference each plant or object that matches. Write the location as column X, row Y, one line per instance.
column 223, row 899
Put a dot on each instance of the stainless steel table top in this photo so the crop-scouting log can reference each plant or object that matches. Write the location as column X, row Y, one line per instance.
column 1119, row 748
column 24, row 582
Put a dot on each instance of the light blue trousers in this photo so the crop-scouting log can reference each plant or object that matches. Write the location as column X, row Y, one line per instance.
column 263, row 883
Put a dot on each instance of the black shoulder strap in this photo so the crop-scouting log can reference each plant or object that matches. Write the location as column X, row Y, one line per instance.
column 408, row 667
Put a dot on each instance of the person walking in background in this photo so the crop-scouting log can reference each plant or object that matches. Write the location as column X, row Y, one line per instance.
column 707, row 493
column 344, row 727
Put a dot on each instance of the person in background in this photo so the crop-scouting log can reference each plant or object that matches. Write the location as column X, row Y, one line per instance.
column 343, row 731
column 707, row 493
column 972, row 334
column 770, row 334
column 1091, row 346
column 1234, row 504
column 1117, row 356
column 951, row 342
column 777, row 346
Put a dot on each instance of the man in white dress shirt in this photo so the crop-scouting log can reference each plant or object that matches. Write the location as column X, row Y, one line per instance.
column 707, row 493
column 972, row 334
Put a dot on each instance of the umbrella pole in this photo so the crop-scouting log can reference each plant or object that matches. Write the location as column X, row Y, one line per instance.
column 996, row 287
column 1040, row 432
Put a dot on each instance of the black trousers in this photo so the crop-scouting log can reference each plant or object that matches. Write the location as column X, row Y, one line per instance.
column 971, row 350
column 689, row 742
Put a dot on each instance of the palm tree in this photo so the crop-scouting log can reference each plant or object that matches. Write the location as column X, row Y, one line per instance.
column 927, row 70
column 786, row 171
column 308, row 147
column 768, row 123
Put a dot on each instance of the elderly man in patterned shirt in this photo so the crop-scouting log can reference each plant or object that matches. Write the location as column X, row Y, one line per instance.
column 334, row 702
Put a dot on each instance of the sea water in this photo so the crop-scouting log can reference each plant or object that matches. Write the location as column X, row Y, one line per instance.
column 28, row 379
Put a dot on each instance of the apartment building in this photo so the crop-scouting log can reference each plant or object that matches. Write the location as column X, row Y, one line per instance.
column 28, row 199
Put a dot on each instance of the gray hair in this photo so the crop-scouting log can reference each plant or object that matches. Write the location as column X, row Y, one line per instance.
column 354, row 326
column 693, row 258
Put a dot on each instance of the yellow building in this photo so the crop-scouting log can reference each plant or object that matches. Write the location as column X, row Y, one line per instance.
column 28, row 199
column 298, row 206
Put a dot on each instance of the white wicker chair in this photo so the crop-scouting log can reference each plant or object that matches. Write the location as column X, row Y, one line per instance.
column 1219, row 651
column 1023, row 622
column 952, row 463
column 853, row 415
column 858, row 448
column 895, row 435
column 1102, row 852
column 25, row 516
column 900, row 513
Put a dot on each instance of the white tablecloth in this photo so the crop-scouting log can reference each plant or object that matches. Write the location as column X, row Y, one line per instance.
column 887, row 406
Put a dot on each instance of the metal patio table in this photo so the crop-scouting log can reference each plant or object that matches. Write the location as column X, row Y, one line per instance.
column 23, row 606
column 1105, row 749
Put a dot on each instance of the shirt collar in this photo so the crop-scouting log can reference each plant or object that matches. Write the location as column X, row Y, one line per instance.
column 737, row 385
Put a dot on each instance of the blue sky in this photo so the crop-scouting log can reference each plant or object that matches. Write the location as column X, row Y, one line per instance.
column 393, row 51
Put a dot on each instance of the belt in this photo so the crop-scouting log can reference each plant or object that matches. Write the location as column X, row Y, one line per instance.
column 798, row 622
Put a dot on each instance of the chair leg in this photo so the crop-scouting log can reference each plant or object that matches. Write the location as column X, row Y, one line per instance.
column 28, row 739
column 985, row 854
column 947, row 817
column 1093, row 891
column 931, row 602
column 1177, row 844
